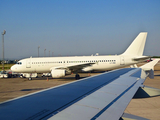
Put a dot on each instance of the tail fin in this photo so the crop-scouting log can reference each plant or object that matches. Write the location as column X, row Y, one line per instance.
column 137, row 46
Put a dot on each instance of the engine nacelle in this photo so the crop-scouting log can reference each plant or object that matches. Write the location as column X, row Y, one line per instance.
column 58, row 73
column 87, row 69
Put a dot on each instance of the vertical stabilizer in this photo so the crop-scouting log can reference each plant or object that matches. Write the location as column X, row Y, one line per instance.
column 137, row 46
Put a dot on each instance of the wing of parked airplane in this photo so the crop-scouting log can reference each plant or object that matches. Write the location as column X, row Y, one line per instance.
column 74, row 67
column 100, row 97
column 68, row 69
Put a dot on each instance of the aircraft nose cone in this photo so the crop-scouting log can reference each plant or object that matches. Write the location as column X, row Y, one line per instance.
column 13, row 68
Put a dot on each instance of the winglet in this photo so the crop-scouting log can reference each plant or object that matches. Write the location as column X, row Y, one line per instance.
column 149, row 67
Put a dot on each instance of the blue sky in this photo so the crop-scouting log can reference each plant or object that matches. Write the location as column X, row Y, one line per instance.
column 79, row 27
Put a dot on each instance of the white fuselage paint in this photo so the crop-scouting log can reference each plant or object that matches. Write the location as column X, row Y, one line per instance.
column 44, row 64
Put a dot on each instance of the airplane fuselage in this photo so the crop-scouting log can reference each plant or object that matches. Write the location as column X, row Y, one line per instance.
column 44, row 64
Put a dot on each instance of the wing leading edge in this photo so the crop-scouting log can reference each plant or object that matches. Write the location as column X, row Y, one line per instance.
column 104, row 96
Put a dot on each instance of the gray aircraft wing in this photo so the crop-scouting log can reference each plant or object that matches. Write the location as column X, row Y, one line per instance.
column 100, row 97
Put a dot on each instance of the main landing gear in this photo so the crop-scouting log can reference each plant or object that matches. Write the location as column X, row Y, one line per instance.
column 29, row 78
column 77, row 76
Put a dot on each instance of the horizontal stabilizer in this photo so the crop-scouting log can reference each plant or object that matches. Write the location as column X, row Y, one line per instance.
column 141, row 58
column 127, row 116
column 146, row 92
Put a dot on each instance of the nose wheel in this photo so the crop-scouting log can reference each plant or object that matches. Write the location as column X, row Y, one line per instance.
column 29, row 78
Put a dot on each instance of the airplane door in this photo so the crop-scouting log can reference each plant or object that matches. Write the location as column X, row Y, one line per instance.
column 28, row 63
column 122, row 62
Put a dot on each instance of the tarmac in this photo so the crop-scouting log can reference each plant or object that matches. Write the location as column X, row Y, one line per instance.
column 147, row 107
column 15, row 87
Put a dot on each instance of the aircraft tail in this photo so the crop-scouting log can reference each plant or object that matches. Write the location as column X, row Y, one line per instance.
column 137, row 46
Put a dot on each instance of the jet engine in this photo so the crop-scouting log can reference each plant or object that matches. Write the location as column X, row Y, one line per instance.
column 58, row 73
column 87, row 69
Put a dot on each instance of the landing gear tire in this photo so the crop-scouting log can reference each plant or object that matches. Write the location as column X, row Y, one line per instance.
column 29, row 78
column 77, row 76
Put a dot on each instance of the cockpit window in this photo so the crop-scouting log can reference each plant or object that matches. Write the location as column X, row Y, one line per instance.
column 19, row 63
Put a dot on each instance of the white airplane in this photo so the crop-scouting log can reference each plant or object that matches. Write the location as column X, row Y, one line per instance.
column 61, row 66
column 100, row 97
